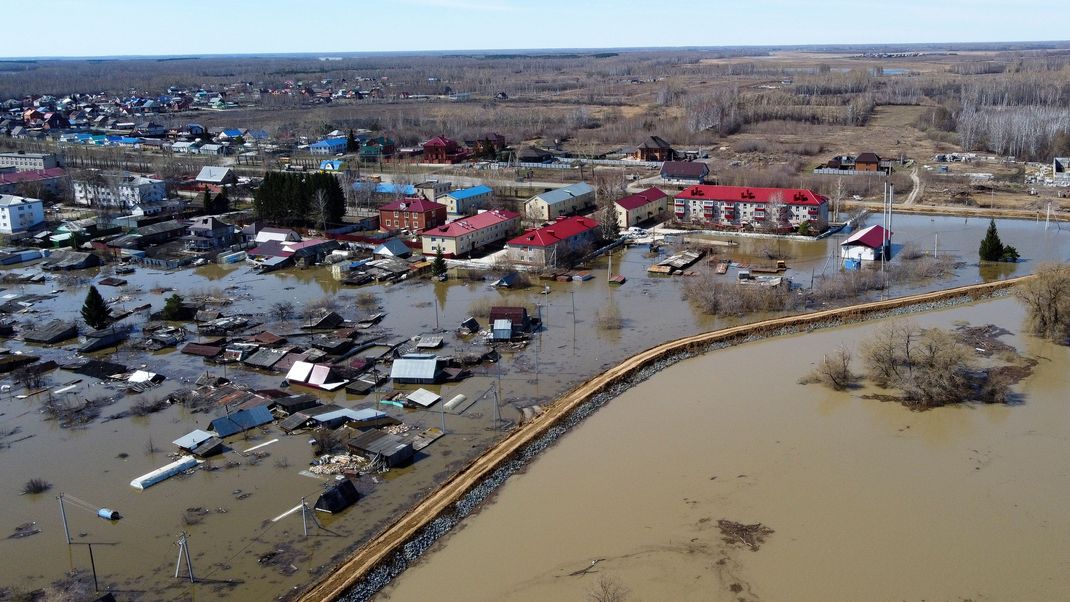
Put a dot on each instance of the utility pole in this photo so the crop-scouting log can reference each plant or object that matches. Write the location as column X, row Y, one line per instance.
column 93, row 565
column 183, row 552
column 63, row 515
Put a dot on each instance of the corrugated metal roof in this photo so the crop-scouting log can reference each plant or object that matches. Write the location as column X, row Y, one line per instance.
column 240, row 421
column 467, row 193
column 193, row 439
column 566, row 193
column 423, row 397
column 415, row 366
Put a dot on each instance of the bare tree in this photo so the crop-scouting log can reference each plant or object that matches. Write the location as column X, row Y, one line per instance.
column 1047, row 302
column 319, row 209
column 834, row 370
column 608, row 589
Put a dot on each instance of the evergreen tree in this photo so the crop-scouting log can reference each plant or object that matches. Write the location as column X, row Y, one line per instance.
column 991, row 246
column 438, row 266
column 221, row 204
column 95, row 311
column 207, row 201
column 172, row 309
column 352, row 145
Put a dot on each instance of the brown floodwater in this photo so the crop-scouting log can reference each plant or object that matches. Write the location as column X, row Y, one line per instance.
column 97, row 462
column 868, row 500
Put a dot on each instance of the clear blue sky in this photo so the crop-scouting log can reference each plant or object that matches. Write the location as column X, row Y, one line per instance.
column 124, row 27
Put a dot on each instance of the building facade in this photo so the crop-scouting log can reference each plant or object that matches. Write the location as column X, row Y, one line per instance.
column 19, row 214
column 569, row 200
column 467, row 200
column 121, row 191
column 555, row 244
column 414, row 213
column 23, row 161
column 470, row 234
column 741, row 207
column 651, row 204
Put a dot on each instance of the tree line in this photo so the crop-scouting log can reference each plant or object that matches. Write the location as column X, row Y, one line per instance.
column 300, row 199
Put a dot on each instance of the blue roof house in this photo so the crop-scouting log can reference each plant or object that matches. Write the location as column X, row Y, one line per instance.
column 328, row 146
column 467, row 201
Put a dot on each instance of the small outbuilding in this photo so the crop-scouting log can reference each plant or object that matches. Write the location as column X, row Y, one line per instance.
column 868, row 244
column 337, row 498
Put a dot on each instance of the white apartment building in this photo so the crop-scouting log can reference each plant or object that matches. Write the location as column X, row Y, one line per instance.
column 19, row 214
column 123, row 191
column 23, row 161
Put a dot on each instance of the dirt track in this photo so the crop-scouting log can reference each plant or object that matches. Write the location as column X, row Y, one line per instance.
column 380, row 548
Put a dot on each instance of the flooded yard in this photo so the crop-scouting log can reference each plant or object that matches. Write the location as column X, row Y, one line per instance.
column 239, row 553
column 867, row 500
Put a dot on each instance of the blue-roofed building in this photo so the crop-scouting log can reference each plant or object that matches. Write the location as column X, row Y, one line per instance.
column 332, row 165
column 230, row 133
column 241, row 421
column 387, row 188
column 328, row 146
column 568, row 200
column 467, row 201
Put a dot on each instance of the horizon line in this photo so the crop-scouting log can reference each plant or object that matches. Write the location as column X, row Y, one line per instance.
column 829, row 47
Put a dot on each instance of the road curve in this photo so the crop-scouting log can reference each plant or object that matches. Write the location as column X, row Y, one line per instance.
column 381, row 547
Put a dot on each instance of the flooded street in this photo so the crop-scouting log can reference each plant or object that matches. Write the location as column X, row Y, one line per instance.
column 820, row 467
column 868, row 500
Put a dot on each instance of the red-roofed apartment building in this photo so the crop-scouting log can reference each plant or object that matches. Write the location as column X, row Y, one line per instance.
column 741, row 206
column 441, row 149
column 553, row 244
column 414, row 214
column 647, row 205
column 469, row 234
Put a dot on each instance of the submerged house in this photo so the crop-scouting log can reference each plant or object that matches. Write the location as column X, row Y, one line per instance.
column 241, row 421
column 416, row 369
column 868, row 244
column 317, row 376
column 383, row 447
column 337, row 498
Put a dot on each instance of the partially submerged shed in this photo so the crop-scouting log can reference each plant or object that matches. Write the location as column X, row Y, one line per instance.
column 241, row 421
column 416, row 369
column 337, row 498
column 52, row 332
column 382, row 446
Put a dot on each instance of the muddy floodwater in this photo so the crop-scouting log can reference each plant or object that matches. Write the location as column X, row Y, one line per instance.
column 868, row 500
column 227, row 511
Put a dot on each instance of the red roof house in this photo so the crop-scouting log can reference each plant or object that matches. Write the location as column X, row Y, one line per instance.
column 441, row 149
column 742, row 206
column 552, row 245
column 652, row 203
column 415, row 213
column 470, row 233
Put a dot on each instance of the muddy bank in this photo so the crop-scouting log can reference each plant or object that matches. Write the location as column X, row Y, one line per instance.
column 868, row 500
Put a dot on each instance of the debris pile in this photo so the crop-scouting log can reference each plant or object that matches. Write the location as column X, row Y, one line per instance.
column 752, row 536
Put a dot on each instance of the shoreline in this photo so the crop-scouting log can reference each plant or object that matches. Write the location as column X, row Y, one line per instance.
column 387, row 555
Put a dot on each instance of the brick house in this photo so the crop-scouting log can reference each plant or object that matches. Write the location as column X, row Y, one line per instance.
column 413, row 213
column 654, row 148
column 441, row 149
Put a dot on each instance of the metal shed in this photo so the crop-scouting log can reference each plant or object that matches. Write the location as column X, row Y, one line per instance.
column 416, row 368
column 381, row 445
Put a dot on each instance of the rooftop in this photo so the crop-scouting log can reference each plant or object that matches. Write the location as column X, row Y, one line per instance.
column 640, row 199
column 566, row 193
column 736, row 194
column 556, row 232
column 413, row 205
column 473, row 223
column 467, row 193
